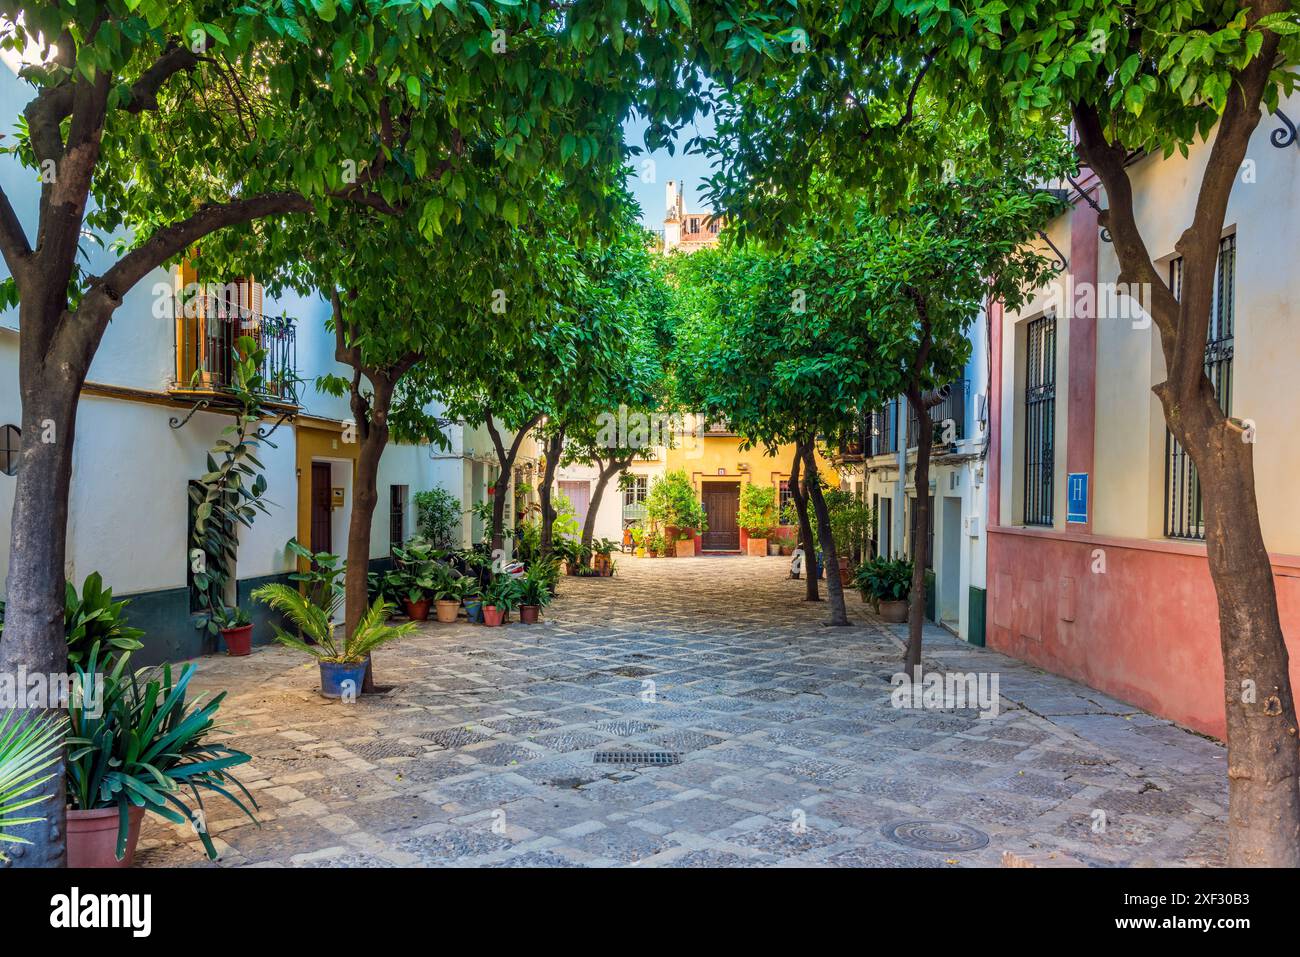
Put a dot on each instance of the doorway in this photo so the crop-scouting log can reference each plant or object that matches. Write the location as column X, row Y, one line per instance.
column 721, row 502
column 950, row 565
column 579, row 494
column 321, row 539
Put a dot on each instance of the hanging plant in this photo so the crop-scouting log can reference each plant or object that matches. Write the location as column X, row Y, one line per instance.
column 231, row 492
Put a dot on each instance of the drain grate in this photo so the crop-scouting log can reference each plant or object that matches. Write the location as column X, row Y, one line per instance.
column 637, row 756
column 935, row 836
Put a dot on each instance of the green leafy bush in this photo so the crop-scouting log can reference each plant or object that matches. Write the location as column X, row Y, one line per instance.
column 672, row 502
column 504, row 592
column 884, row 579
column 757, row 514
column 438, row 517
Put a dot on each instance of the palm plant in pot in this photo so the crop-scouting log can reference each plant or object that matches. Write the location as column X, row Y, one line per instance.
column 27, row 750
column 757, row 516
column 340, row 662
column 501, row 595
column 136, row 743
column 886, row 583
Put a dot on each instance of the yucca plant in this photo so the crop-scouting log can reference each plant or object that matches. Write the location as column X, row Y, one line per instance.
column 27, row 749
column 144, row 743
column 372, row 631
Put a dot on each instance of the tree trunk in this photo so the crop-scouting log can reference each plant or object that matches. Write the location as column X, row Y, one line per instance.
column 1263, row 757
column 33, row 633
column 800, row 497
column 365, row 496
column 554, row 446
column 506, row 465
column 920, row 529
column 606, row 473
column 830, row 561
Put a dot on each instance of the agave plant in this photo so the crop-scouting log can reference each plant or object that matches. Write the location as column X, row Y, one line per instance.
column 143, row 743
column 372, row 631
column 27, row 749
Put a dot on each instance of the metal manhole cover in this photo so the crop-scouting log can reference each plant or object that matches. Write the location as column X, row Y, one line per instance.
column 637, row 756
column 935, row 836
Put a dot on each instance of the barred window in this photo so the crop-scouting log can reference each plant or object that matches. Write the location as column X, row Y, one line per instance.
column 1040, row 419
column 397, row 495
column 785, row 498
column 636, row 489
column 1183, row 514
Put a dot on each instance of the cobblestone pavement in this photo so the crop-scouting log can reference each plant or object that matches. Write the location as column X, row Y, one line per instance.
column 790, row 751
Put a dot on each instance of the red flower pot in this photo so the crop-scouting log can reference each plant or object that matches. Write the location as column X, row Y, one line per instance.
column 239, row 641
column 493, row 616
column 528, row 613
column 92, row 837
column 417, row 610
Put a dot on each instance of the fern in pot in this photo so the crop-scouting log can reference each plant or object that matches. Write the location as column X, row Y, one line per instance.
column 342, row 663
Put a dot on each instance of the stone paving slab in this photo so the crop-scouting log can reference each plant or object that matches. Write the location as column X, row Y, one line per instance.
column 789, row 749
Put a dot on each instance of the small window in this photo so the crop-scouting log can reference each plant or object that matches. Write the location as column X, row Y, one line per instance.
column 636, row 490
column 1040, row 420
column 785, row 498
column 10, row 445
column 396, row 515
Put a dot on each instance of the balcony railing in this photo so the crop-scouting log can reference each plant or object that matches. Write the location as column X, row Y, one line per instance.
column 883, row 425
column 634, row 512
column 948, row 418
column 208, row 330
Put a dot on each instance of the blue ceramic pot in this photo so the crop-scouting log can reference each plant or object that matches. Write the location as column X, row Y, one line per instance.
column 336, row 678
column 474, row 611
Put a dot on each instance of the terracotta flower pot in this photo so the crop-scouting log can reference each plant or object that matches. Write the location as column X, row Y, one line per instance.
column 773, row 549
column 493, row 616
column 417, row 610
column 756, row 548
column 92, row 837
column 602, row 565
column 894, row 611
column 844, row 570
column 448, row 611
column 528, row 613
column 685, row 547
column 239, row 641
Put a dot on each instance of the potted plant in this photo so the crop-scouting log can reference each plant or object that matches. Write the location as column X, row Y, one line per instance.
column 93, row 617
column 447, row 593
column 473, row 601
column 672, row 501
column 537, row 590
column 850, row 520
column 757, row 516
column 501, row 595
column 654, row 544
column 236, row 629
column 602, row 552
column 27, row 750
column 138, row 747
column 886, row 584
column 340, row 662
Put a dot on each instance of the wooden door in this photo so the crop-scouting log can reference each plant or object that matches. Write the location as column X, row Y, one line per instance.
column 721, row 502
column 320, row 507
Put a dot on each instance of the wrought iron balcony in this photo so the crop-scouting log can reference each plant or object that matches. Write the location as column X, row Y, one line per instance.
column 634, row 512
column 208, row 330
column 948, row 418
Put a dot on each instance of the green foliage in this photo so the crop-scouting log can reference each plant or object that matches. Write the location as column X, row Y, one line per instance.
column 540, row 582
column 672, row 502
column 232, row 491
column 144, row 743
column 503, row 592
column 28, row 748
column 438, row 517
column 312, row 622
column 757, row 514
column 322, row 581
column 884, row 579
column 604, row 546
column 92, row 619
column 851, row 522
